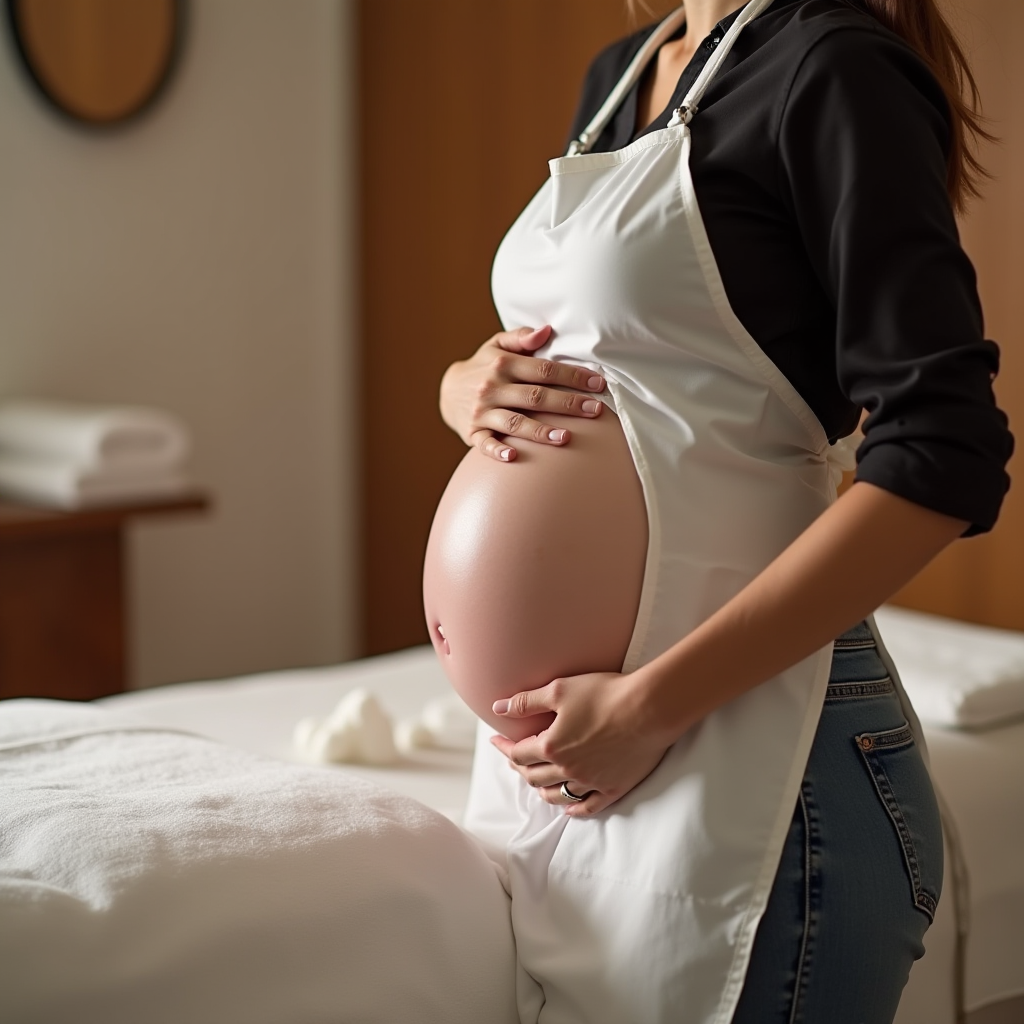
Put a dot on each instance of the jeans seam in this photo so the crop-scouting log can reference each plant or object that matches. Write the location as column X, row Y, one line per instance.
column 807, row 939
column 856, row 690
column 867, row 743
column 854, row 645
column 888, row 740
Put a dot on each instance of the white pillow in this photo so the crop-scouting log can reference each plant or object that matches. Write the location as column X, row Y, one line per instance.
column 148, row 875
column 955, row 673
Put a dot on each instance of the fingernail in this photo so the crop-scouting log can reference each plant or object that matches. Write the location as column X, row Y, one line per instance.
column 590, row 406
column 505, row 454
column 556, row 435
column 500, row 707
column 595, row 383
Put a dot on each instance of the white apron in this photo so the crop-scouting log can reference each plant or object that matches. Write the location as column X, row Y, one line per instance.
column 646, row 913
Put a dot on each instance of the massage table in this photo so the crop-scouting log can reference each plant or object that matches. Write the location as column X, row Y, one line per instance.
column 974, row 967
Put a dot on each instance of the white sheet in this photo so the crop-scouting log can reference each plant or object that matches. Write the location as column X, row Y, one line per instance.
column 147, row 875
column 956, row 674
column 981, row 775
column 259, row 712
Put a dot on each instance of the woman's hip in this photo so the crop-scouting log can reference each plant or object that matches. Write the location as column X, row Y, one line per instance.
column 861, row 870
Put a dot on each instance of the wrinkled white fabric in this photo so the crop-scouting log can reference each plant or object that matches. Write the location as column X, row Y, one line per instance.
column 149, row 875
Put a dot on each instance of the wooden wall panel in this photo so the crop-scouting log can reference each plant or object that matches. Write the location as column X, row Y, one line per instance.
column 982, row 579
column 463, row 102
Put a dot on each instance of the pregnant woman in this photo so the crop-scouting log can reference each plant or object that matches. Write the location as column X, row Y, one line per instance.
column 698, row 759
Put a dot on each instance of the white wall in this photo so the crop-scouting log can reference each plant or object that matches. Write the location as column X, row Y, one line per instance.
column 198, row 260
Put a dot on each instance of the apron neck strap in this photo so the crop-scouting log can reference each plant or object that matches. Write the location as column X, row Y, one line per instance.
column 629, row 78
column 637, row 66
column 700, row 86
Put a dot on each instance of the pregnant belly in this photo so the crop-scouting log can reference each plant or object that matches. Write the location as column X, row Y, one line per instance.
column 534, row 568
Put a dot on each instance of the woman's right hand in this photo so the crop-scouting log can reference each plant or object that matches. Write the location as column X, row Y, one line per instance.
column 491, row 393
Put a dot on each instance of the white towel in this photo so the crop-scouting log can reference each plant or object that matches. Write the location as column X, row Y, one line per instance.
column 151, row 876
column 68, row 486
column 96, row 437
column 955, row 673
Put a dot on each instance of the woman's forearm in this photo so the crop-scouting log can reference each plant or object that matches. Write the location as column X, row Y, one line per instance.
column 855, row 556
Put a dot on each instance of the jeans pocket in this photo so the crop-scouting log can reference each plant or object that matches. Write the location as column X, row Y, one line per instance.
column 905, row 789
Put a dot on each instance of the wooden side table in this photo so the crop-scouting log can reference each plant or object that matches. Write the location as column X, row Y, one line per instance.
column 63, row 608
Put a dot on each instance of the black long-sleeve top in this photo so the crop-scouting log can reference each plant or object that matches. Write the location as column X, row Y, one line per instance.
column 819, row 163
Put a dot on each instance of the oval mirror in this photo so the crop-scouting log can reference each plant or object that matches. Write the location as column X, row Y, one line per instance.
column 99, row 61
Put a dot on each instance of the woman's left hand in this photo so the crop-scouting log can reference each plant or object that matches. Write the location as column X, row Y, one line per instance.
column 600, row 744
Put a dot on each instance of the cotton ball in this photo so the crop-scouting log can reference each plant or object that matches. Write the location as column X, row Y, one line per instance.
column 450, row 723
column 357, row 731
column 363, row 730
column 445, row 723
column 317, row 741
column 336, row 742
column 411, row 734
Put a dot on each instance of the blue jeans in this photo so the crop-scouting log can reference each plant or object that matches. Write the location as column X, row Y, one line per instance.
column 861, row 870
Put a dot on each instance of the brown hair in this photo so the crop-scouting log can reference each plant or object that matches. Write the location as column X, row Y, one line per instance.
column 921, row 25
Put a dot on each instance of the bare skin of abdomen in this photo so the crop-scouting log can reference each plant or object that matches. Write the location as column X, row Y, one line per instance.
column 534, row 568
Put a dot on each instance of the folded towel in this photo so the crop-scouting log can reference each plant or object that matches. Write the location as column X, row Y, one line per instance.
column 92, row 436
column 67, row 486
column 955, row 673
